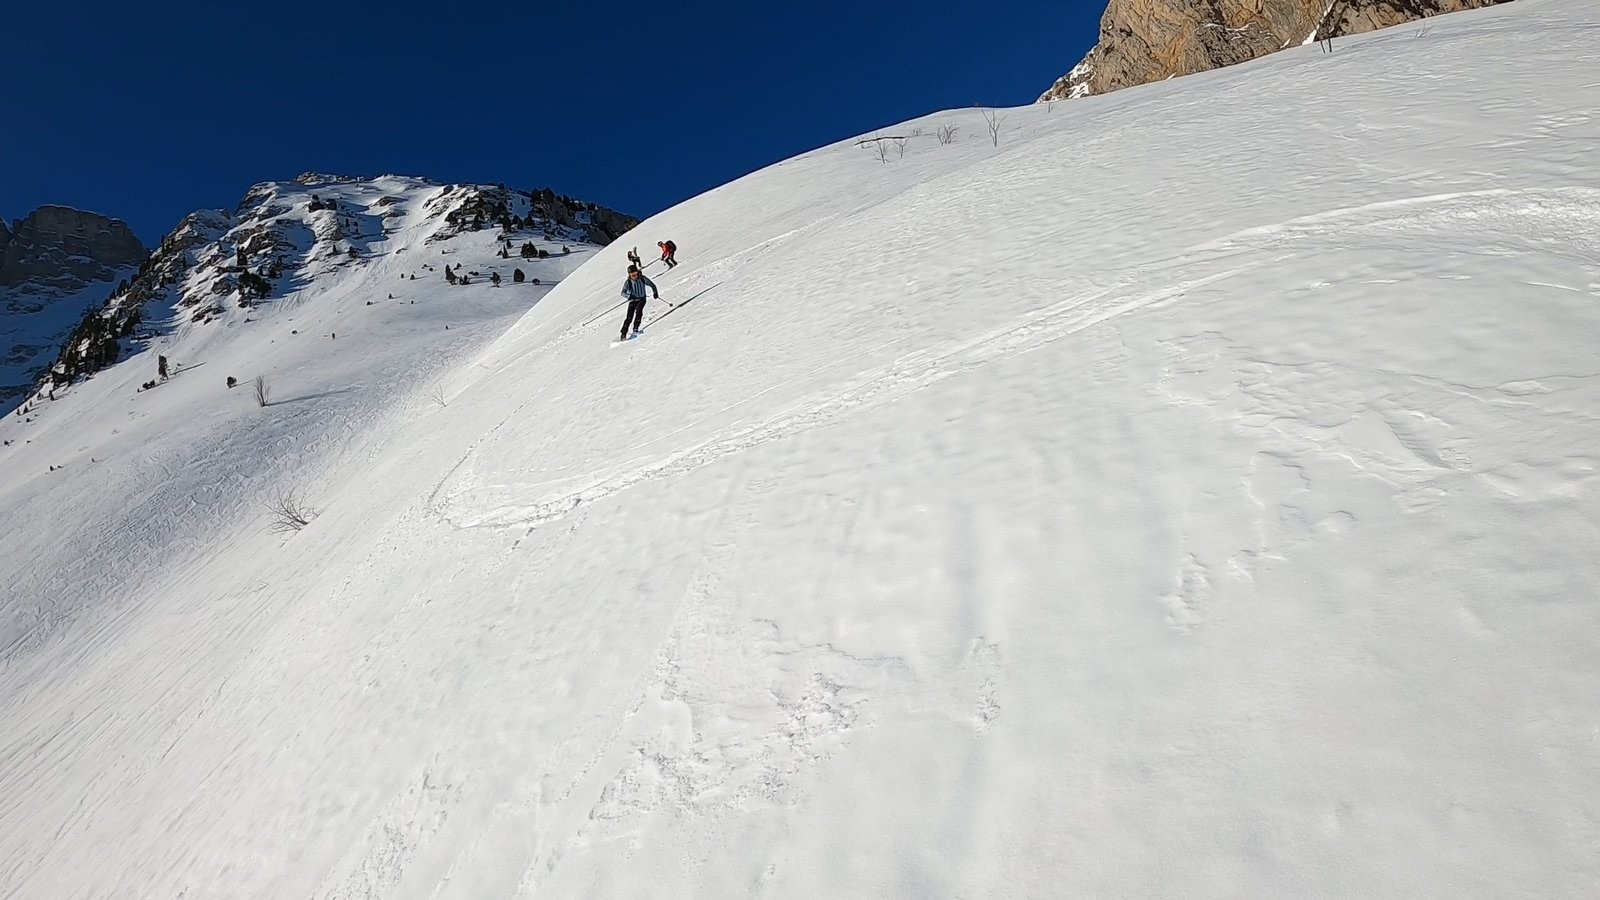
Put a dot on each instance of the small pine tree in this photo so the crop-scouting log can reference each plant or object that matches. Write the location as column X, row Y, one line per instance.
column 352, row 253
column 449, row 275
column 495, row 279
column 517, row 276
column 504, row 254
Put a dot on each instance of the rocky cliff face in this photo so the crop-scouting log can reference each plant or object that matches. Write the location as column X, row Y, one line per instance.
column 65, row 249
column 54, row 264
column 1152, row 40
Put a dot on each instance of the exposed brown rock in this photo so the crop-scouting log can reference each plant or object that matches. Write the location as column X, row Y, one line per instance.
column 1151, row 40
column 65, row 249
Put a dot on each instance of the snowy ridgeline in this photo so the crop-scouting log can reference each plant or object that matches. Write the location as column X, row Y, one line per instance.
column 318, row 235
column 1188, row 492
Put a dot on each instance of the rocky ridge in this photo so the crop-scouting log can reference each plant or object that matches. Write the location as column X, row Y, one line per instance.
column 220, row 265
column 1151, row 40
column 54, row 264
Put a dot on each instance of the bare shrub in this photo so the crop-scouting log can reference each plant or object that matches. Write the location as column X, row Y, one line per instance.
column 289, row 513
column 880, row 150
column 437, row 395
column 993, row 119
column 947, row 133
column 900, row 148
column 263, row 393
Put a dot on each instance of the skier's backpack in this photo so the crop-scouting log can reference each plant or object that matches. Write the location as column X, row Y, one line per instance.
column 671, row 247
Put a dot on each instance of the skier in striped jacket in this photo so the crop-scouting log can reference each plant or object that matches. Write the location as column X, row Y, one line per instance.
column 634, row 289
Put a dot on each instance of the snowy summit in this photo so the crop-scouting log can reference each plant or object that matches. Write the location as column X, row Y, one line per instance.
column 1186, row 492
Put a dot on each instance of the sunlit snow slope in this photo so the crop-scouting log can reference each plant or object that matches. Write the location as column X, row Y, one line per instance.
column 1194, row 495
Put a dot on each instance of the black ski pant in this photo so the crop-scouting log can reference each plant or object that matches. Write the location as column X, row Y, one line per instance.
column 635, row 316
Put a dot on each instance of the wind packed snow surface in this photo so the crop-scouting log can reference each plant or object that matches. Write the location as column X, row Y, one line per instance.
column 1193, row 496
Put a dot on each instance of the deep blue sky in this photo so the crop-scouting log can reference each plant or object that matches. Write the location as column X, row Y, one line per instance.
column 148, row 111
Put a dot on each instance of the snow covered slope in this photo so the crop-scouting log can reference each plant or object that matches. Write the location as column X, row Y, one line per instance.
column 356, row 320
column 1193, row 495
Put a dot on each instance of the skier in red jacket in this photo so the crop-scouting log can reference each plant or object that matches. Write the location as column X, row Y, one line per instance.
column 669, row 253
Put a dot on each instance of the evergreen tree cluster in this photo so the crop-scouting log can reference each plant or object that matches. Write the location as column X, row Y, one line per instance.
column 253, row 286
column 95, row 343
column 478, row 209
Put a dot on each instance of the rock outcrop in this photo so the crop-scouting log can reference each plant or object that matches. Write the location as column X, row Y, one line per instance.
column 65, row 249
column 54, row 265
column 220, row 266
column 1151, row 40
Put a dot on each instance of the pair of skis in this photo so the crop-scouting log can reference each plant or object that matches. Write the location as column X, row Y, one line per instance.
column 639, row 332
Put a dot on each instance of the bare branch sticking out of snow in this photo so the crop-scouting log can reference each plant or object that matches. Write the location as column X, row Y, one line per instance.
column 994, row 120
column 289, row 513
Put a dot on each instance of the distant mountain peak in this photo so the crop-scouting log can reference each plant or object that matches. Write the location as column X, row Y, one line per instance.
column 60, row 248
column 290, row 238
column 54, row 263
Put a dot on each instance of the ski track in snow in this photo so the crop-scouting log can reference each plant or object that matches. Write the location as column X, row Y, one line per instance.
column 457, row 502
column 868, row 391
column 703, row 278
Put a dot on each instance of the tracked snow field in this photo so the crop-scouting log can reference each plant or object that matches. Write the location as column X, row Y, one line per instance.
column 1194, row 495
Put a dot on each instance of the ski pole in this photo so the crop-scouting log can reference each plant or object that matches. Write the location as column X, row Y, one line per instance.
column 604, row 314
